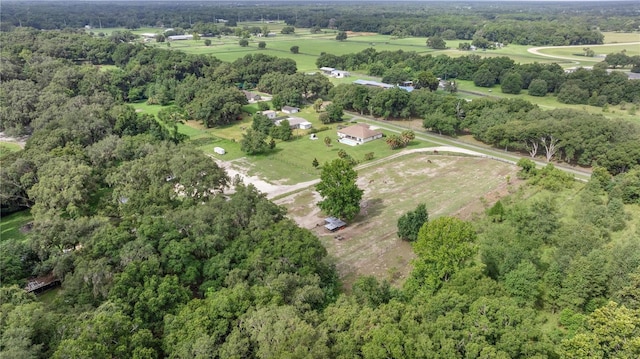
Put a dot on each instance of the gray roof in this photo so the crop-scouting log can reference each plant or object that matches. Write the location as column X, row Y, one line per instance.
column 334, row 223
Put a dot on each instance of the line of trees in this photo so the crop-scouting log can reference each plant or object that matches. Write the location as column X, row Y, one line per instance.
column 552, row 24
column 595, row 87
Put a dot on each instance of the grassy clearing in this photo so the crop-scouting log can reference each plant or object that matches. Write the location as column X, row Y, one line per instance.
column 448, row 185
column 613, row 37
column 10, row 226
column 576, row 52
column 548, row 102
column 8, row 147
column 290, row 162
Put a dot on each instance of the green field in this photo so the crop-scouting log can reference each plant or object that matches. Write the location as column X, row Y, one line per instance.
column 226, row 48
column 547, row 102
column 613, row 37
column 290, row 162
column 8, row 147
column 10, row 226
column 575, row 52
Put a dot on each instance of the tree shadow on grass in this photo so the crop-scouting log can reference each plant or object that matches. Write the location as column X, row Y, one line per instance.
column 370, row 208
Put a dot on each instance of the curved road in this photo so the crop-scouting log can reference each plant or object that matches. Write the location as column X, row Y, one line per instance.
column 536, row 50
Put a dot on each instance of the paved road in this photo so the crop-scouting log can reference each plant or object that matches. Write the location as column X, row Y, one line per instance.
column 579, row 174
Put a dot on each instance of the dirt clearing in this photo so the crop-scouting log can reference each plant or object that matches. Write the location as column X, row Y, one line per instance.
column 448, row 185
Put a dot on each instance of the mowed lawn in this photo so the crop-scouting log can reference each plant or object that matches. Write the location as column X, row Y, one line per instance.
column 291, row 161
column 448, row 185
column 600, row 50
column 10, row 226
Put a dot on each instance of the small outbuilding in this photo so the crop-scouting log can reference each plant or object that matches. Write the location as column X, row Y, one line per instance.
column 271, row 114
column 334, row 224
column 339, row 74
column 219, row 150
column 252, row 97
column 290, row 109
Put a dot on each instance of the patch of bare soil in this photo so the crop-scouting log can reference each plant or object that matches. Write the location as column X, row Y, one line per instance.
column 21, row 141
column 449, row 185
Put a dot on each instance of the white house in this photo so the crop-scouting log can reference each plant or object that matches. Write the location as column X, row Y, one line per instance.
column 271, row 114
column 219, row 150
column 327, row 70
column 358, row 134
column 296, row 122
column 290, row 110
column 339, row 74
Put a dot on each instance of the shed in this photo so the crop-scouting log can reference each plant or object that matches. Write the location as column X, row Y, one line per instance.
column 271, row 114
column 339, row 74
column 290, row 109
column 334, row 224
column 327, row 70
column 219, row 150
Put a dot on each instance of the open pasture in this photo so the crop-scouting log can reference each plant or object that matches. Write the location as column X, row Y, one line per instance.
column 600, row 50
column 614, row 37
column 448, row 185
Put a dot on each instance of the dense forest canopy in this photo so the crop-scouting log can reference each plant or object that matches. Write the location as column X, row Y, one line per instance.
column 158, row 259
column 511, row 22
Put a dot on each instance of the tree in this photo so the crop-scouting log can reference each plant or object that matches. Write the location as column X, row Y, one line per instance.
column 334, row 111
column 409, row 224
column 262, row 45
column 426, row 79
column 243, row 42
column 406, row 137
column 573, row 94
column 294, row 49
column 484, row 78
column 442, row 248
column 327, row 141
column 63, row 189
column 288, row 30
column 610, row 331
column 451, row 86
column 342, row 35
column 207, row 42
column 449, row 34
column 441, row 123
column 617, row 59
column 538, row 87
column 511, row 83
column 338, row 189
column 588, row 52
column 262, row 123
column 315, row 163
column 317, row 105
column 436, row 42
column 283, row 131
column 253, row 142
